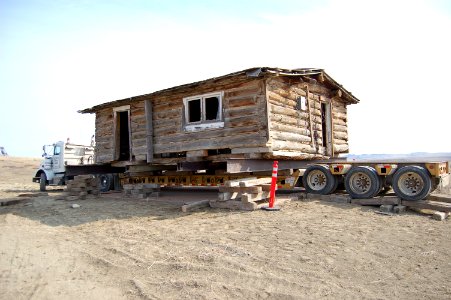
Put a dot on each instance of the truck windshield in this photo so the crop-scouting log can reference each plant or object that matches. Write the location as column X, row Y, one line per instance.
column 48, row 150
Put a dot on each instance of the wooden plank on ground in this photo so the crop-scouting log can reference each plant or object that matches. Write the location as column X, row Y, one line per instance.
column 194, row 205
column 426, row 204
column 440, row 198
column 378, row 201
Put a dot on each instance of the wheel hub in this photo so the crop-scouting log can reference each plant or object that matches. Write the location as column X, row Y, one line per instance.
column 360, row 183
column 411, row 183
column 363, row 183
column 317, row 180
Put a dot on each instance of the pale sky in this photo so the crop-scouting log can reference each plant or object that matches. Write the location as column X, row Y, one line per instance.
column 60, row 56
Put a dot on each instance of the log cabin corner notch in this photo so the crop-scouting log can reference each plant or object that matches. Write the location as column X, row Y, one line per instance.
column 266, row 113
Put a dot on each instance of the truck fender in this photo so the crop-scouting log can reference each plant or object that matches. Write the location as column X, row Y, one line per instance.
column 48, row 174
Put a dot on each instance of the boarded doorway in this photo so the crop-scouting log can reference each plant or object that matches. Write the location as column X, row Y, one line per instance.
column 326, row 122
column 122, row 139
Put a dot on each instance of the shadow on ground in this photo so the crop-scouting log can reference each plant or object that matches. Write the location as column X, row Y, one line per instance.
column 51, row 211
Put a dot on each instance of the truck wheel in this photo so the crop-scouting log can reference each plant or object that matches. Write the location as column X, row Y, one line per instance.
column 42, row 182
column 412, row 183
column 106, row 182
column 362, row 182
column 317, row 179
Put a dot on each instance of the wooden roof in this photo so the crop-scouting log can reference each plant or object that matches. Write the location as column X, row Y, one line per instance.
column 310, row 73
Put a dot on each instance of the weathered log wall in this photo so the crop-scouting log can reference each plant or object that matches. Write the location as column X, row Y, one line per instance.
column 261, row 115
column 245, row 124
column 296, row 132
column 340, row 126
column 243, row 107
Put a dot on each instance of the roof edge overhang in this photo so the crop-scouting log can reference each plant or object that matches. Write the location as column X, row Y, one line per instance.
column 252, row 72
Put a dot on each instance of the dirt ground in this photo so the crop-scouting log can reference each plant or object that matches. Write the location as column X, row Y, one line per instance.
column 119, row 248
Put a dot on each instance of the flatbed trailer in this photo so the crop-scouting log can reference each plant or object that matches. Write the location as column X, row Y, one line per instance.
column 410, row 178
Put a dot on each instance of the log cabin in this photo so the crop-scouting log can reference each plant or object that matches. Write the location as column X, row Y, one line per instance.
column 257, row 113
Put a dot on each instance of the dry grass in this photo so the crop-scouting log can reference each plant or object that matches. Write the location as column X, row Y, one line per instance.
column 133, row 249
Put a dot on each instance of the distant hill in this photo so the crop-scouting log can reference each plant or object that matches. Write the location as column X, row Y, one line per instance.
column 416, row 156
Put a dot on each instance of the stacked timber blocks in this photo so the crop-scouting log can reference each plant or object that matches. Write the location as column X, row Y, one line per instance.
column 142, row 190
column 81, row 187
column 243, row 194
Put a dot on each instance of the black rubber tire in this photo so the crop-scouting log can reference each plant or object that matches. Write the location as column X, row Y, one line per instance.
column 435, row 183
column 317, row 179
column 362, row 182
column 412, row 183
column 42, row 182
column 336, row 183
column 106, row 182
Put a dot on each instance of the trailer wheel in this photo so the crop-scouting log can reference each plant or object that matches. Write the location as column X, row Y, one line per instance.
column 42, row 182
column 106, row 182
column 362, row 182
column 317, row 179
column 412, row 183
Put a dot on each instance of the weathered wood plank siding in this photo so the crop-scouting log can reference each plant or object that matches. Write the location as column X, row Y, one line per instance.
column 138, row 130
column 104, row 135
column 243, row 107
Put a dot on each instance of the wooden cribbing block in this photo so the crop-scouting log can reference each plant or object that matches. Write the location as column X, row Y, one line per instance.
column 440, row 198
column 77, row 185
column 229, row 196
column 255, row 197
column 77, row 189
column 250, row 189
column 266, row 187
column 128, row 187
column 236, row 182
column 82, row 177
column 253, row 182
column 194, row 205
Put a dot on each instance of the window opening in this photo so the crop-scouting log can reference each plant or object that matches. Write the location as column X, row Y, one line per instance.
column 212, row 108
column 194, row 111
column 301, row 103
column 203, row 111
